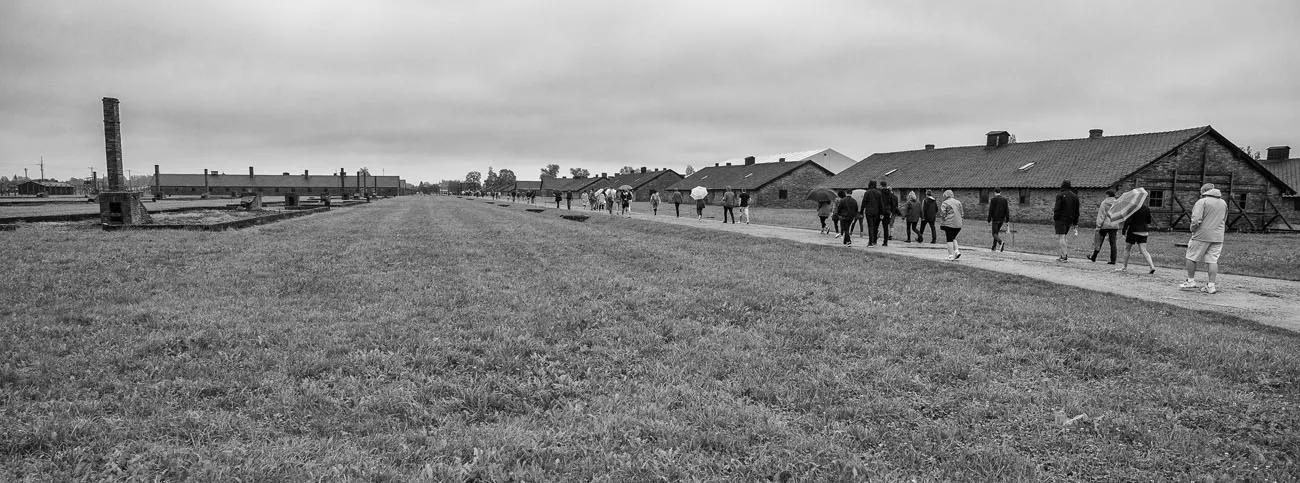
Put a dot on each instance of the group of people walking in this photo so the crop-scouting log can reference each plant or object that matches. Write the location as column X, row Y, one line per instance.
column 879, row 208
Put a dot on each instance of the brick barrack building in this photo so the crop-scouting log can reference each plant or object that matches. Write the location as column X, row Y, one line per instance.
column 1172, row 166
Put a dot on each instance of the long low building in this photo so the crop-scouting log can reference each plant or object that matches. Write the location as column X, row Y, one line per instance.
column 1170, row 165
column 272, row 185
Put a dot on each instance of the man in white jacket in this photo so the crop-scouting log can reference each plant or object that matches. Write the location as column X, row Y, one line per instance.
column 1209, row 219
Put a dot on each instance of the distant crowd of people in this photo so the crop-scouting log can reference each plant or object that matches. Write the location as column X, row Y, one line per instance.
column 876, row 209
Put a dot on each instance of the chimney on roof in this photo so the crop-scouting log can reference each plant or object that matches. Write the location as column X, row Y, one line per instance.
column 997, row 139
column 1279, row 153
column 250, row 171
column 643, row 170
column 780, row 160
column 304, row 173
column 929, row 147
column 286, row 173
column 750, row 160
column 1094, row 134
column 728, row 164
column 716, row 164
column 604, row 175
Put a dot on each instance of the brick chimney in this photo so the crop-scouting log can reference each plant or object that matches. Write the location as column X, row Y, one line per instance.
column 1094, row 134
column 250, row 171
column 997, row 139
column 643, row 170
column 1279, row 153
column 113, row 143
column 728, row 164
column 780, row 160
column 929, row 147
column 305, row 174
column 750, row 160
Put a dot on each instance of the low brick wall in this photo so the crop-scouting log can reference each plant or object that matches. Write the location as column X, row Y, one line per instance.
column 230, row 225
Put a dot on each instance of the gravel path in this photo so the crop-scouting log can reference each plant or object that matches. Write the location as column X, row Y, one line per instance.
column 1267, row 301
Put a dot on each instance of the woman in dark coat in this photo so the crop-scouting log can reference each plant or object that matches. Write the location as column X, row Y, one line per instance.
column 847, row 210
column 929, row 213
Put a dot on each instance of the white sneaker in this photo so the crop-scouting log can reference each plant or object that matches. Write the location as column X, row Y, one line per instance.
column 1210, row 288
column 1188, row 284
column 950, row 258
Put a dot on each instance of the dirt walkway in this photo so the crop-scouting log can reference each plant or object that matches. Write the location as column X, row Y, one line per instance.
column 1264, row 300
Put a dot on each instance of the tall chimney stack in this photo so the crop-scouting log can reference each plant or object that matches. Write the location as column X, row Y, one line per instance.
column 113, row 143
column 250, row 171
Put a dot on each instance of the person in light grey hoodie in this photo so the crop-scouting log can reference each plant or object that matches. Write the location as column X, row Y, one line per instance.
column 1209, row 219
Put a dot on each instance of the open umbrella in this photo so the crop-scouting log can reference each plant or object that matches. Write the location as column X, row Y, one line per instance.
column 857, row 195
column 822, row 195
column 699, row 193
column 1127, row 204
column 625, row 188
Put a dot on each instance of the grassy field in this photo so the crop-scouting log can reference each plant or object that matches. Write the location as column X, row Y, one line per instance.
column 1271, row 255
column 438, row 339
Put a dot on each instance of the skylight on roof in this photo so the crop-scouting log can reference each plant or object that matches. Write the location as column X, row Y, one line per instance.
column 749, row 174
column 1026, row 166
column 702, row 178
column 887, row 173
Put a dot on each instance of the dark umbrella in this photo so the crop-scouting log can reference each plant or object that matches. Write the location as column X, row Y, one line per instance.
column 822, row 195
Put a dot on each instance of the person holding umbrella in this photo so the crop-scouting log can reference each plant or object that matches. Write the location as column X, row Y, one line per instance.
column 699, row 193
column 1135, row 232
column 847, row 210
column 824, row 197
column 677, row 203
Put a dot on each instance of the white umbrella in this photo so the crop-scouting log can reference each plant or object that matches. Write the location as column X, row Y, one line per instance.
column 857, row 195
column 699, row 193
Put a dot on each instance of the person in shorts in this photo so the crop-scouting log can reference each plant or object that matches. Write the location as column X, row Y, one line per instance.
column 1065, row 214
column 1209, row 220
column 1135, row 235
column 950, row 221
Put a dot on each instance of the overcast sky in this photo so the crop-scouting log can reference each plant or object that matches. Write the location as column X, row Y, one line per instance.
column 431, row 90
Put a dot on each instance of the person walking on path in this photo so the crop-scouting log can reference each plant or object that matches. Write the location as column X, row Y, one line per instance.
column 1209, row 219
column 950, row 218
column 1065, row 214
column 873, row 206
column 558, row 198
column 699, row 208
column 929, row 213
column 1105, row 228
column 677, row 203
column 625, row 197
column 600, row 200
column 654, row 201
column 729, row 205
column 999, row 214
column 568, row 200
column 823, row 212
column 912, row 214
column 889, row 211
column 847, row 210
column 1135, row 233
column 744, row 205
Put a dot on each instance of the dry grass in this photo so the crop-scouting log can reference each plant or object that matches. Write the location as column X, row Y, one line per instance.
column 439, row 339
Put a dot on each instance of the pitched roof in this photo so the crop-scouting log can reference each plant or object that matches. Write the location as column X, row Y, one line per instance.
column 48, row 184
column 746, row 177
column 1087, row 163
column 827, row 158
column 1288, row 170
column 634, row 179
